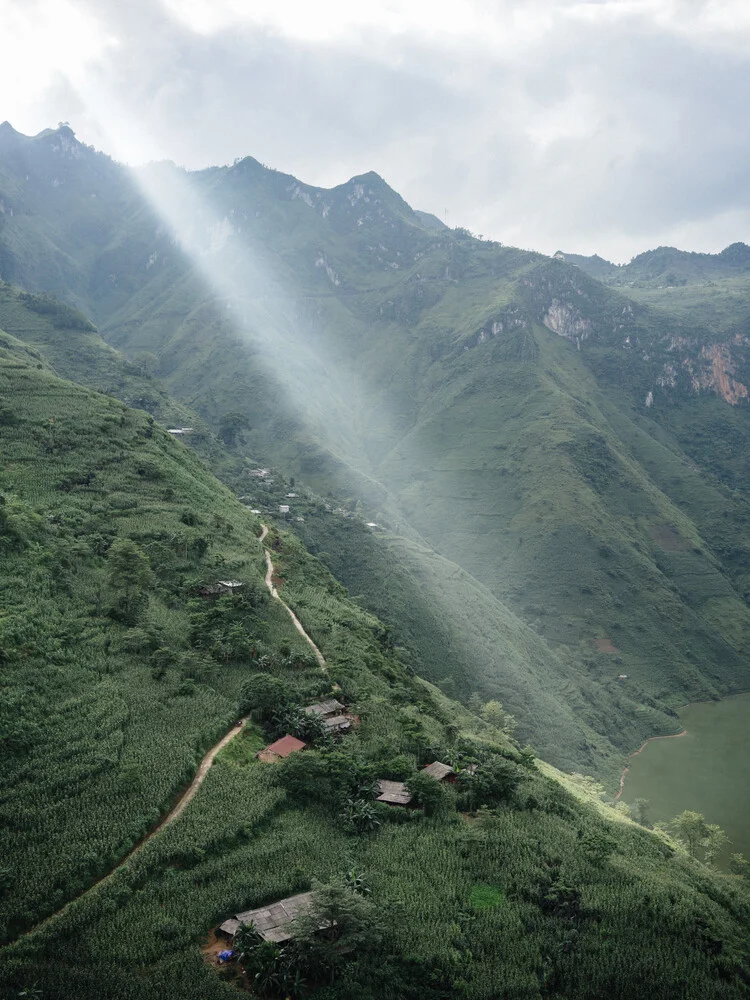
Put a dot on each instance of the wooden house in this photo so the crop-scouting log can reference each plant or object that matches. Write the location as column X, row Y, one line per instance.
column 271, row 922
column 394, row 793
column 335, row 717
column 280, row 749
column 440, row 771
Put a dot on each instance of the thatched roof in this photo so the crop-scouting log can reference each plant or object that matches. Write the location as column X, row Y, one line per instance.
column 438, row 770
column 395, row 793
column 271, row 922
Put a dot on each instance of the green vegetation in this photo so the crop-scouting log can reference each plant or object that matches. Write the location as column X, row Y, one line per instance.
column 550, row 540
column 568, row 560
column 118, row 675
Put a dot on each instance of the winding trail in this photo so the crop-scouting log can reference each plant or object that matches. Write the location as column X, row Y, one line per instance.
column 174, row 812
column 671, row 736
column 275, row 594
column 203, row 768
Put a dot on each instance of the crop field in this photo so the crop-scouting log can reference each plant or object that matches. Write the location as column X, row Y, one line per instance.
column 121, row 665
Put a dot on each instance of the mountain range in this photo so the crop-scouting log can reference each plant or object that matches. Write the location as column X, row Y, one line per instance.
column 474, row 474
column 558, row 464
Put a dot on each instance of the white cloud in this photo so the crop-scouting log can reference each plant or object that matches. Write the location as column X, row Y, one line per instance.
column 613, row 125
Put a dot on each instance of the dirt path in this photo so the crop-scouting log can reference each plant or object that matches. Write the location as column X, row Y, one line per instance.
column 270, row 571
column 174, row 812
column 205, row 764
column 672, row 736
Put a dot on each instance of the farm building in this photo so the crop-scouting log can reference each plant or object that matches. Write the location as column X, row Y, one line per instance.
column 271, row 922
column 439, row 771
column 334, row 715
column 394, row 793
column 280, row 749
column 221, row 587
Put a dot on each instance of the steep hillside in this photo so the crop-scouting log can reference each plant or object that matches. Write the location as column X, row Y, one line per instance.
column 538, row 446
column 122, row 665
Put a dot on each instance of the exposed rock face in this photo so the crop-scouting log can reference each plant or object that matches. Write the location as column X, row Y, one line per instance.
column 720, row 377
column 567, row 322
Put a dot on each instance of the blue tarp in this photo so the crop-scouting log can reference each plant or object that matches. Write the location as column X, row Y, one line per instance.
column 225, row 956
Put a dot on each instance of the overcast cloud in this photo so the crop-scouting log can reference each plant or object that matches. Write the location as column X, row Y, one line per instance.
column 609, row 126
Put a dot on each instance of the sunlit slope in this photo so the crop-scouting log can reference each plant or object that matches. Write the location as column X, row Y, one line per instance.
column 578, row 453
column 111, row 696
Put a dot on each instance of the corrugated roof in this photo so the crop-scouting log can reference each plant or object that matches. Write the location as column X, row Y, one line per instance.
column 272, row 922
column 328, row 707
column 337, row 723
column 285, row 746
column 438, row 770
column 395, row 793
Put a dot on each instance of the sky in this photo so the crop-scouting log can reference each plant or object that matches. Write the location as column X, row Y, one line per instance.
column 607, row 126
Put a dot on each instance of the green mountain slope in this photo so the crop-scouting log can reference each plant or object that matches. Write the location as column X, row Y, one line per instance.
column 117, row 675
column 575, row 454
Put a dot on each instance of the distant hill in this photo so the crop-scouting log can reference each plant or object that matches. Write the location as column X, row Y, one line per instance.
column 569, row 457
column 666, row 266
column 430, row 221
column 121, row 668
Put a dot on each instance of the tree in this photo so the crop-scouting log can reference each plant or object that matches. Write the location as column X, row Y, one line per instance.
column 696, row 835
column 494, row 713
column 361, row 814
column 639, row 811
column 231, row 426
column 739, row 865
column 263, row 696
column 341, row 924
column 129, row 575
column 428, row 793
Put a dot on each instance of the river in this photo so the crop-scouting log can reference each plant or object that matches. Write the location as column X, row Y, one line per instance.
column 707, row 770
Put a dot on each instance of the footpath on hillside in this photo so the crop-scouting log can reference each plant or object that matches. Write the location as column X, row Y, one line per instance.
column 270, row 572
column 205, row 764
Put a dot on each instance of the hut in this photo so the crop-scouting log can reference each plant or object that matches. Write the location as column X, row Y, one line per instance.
column 334, row 715
column 271, row 922
column 440, row 771
column 394, row 793
column 280, row 749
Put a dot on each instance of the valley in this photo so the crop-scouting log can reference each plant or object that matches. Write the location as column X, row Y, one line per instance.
column 452, row 485
column 706, row 771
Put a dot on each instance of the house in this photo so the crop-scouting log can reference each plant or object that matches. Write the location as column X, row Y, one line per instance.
column 440, row 771
column 220, row 587
column 325, row 708
column 271, row 922
column 280, row 749
column 334, row 715
column 283, row 508
column 394, row 793
column 180, row 431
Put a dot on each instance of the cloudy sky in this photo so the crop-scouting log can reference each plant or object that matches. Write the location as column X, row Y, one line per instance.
column 607, row 126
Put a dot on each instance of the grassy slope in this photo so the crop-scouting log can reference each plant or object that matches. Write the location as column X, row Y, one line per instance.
column 96, row 741
column 470, row 428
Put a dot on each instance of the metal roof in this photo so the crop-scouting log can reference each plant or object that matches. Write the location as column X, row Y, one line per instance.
column 272, row 922
column 328, row 707
column 395, row 793
column 284, row 746
column 438, row 770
